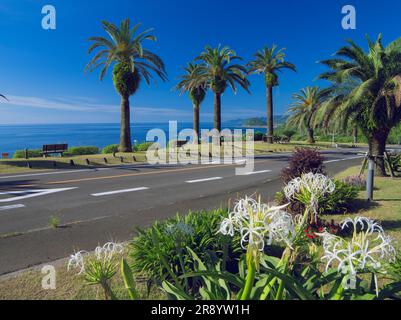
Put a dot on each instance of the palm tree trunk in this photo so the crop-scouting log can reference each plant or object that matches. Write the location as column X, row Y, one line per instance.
column 196, row 122
column 377, row 147
column 125, row 129
column 355, row 134
column 217, row 111
column 270, row 132
column 311, row 138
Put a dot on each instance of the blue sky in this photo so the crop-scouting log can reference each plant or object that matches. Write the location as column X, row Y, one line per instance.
column 42, row 71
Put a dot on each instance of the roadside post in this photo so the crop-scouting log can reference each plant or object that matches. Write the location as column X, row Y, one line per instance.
column 370, row 179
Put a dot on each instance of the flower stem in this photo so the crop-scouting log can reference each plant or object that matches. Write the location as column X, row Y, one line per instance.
column 339, row 293
column 250, row 277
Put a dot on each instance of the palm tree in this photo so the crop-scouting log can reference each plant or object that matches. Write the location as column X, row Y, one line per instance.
column 218, row 72
column 270, row 62
column 304, row 108
column 374, row 100
column 327, row 115
column 132, row 63
column 191, row 82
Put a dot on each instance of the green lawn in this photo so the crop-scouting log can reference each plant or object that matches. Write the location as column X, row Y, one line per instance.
column 386, row 208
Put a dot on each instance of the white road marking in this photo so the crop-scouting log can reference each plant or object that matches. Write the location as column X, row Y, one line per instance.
column 204, row 180
column 33, row 193
column 118, row 192
column 45, row 173
column 339, row 160
column 15, row 206
column 256, row 172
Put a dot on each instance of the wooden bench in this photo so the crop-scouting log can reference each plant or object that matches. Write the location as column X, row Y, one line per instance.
column 180, row 143
column 54, row 149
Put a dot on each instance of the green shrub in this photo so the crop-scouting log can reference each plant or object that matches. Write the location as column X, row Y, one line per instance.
column 166, row 242
column 338, row 202
column 81, row 151
column 110, row 149
column 20, row 154
column 143, row 146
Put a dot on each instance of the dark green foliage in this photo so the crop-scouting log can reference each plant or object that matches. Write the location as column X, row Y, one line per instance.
column 289, row 133
column 303, row 161
column 166, row 242
column 341, row 200
column 259, row 136
column 143, row 146
column 82, row 151
column 110, row 149
column 395, row 162
column 20, row 154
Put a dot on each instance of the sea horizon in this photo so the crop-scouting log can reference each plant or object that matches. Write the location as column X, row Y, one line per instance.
column 15, row 137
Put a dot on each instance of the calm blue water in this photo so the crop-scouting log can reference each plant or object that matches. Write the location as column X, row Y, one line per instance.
column 19, row 137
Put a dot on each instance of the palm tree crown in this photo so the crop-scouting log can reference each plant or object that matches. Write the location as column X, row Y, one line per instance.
column 191, row 82
column 304, row 108
column 125, row 46
column 218, row 72
column 373, row 100
column 269, row 62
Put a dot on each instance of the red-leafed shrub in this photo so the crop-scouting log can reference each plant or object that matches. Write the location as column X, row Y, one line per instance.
column 303, row 161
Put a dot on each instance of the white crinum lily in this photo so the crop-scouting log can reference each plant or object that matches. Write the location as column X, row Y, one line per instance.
column 368, row 249
column 76, row 261
column 104, row 253
column 258, row 224
column 108, row 250
column 309, row 189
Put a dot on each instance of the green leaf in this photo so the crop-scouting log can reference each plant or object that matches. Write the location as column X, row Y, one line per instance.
column 129, row 281
column 292, row 286
column 175, row 292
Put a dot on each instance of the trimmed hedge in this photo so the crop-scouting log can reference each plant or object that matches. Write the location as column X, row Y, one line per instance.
column 20, row 154
column 110, row 149
column 143, row 146
column 81, row 151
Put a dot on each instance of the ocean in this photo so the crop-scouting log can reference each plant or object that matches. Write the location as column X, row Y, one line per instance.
column 19, row 137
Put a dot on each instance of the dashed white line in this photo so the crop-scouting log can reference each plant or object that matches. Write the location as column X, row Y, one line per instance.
column 204, row 180
column 15, row 206
column 109, row 193
column 339, row 160
column 256, row 172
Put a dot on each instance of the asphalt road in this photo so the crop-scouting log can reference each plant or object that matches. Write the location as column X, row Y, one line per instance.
column 99, row 205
